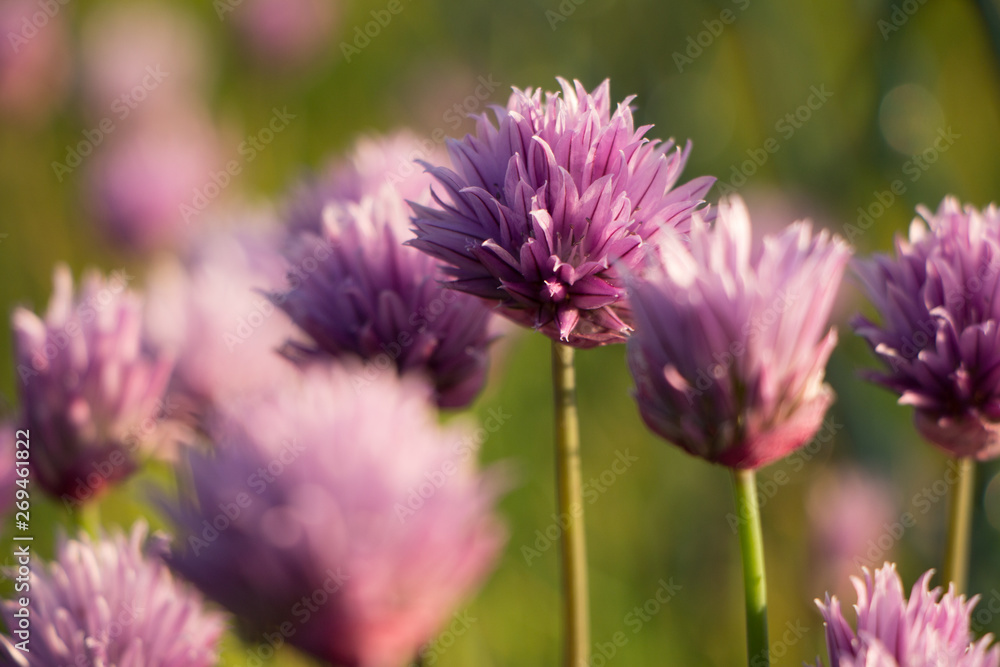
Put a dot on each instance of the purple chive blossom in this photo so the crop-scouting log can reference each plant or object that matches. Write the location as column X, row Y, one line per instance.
column 112, row 602
column 356, row 290
column 548, row 207
column 939, row 301
column 357, row 504
column 373, row 164
column 928, row 630
column 89, row 385
column 731, row 339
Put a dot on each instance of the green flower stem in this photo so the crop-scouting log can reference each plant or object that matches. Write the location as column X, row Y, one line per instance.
column 87, row 517
column 570, row 497
column 752, row 548
column 956, row 555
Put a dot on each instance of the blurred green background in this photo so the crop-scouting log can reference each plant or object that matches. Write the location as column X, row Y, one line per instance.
column 664, row 519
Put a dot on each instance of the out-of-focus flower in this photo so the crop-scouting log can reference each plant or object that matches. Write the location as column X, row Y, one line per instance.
column 112, row 602
column 8, row 466
column 928, row 630
column 34, row 60
column 149, row 185
column 212, row 312
column 140, row 57
column 285, row 33
column 939, row 300
column 547, row 210
column 731, row 339
column 356, row 500
column 374, row 298
column 90, row 386
column 374, row 163
column 849, row 512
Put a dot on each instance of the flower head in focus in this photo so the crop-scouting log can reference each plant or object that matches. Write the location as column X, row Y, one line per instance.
column 547, row 207
column 91, row 386
column 358, row 499
column 731, row 338
column 112, row 601
column 926, row 630
column 939, row 300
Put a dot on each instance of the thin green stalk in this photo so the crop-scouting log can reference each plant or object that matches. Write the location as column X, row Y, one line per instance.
column 956, row 555
column 752, row 549
column 569, row 484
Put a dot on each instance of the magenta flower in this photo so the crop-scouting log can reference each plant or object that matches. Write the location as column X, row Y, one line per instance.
column 90, row 386
column 357, row 290
column 283, row 34
column 372, row 164
column 928, row 630
column 939, row 300
column 35, row 63
column 345, row 514
column 731, row 339
column 548, row 207
column 111, row 602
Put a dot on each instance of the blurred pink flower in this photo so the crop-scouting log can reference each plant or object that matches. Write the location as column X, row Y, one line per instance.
column 849, row 512
column 145, row 182
column 112, row 601
column 212, row 311
column 90, row 385
column 136, row 57
column 355, row 497
column 928, row 630
column 285, row 33
column 34, row 59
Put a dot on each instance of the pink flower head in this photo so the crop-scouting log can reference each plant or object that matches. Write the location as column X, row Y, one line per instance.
column 548, row 207
column 91, row 387
column 939, row 300
column 731, row 339
column 213, row 312
column 112, row 602
column 35, row 60
column 285, row 33
column 356, row 499
column 928, row 630
column 357, row 291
